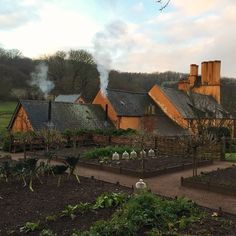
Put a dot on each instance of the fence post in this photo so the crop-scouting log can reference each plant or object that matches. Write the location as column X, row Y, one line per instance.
column 222, row 156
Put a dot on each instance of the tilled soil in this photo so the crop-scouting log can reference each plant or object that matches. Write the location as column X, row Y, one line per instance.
column 221, row 177
column 19, row 205
column 150, row 164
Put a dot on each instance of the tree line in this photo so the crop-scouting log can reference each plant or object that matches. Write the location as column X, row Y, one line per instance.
column 75, row 71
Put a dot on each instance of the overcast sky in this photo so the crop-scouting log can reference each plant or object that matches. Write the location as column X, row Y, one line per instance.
column 135, row 33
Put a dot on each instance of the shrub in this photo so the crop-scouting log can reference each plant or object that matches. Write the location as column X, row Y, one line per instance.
column 6, row 143
column 147, row 211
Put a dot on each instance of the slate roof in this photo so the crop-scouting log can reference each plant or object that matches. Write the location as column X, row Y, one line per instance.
column 127, row 103
column 67, row 98
column 167, row 127
column 64, row 115
column 195, row 105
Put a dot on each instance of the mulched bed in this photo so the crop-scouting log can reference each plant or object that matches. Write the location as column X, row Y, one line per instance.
column 19, row 205
column 152, row 166
column 150, row 163
column 215, row 226
column 221, row 180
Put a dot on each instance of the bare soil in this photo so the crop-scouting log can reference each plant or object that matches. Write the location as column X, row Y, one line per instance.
column 19, row 205
column 150, row 164
column 221, row 177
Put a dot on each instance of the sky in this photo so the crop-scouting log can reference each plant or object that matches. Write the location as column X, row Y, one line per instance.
column 128, row 35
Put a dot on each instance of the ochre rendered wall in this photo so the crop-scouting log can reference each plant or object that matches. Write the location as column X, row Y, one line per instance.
column 102, row 100
column 21, row 122
column 130, row 122
column 211, row 90
column 166, row 105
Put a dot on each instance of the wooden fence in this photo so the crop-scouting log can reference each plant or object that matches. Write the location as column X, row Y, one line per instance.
column 163, row 146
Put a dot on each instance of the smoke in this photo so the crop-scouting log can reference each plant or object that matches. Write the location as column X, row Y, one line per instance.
column 110, row 45
column 40, row 79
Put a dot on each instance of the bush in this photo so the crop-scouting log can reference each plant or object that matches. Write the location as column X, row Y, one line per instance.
column 147, row 211
column 6, row 143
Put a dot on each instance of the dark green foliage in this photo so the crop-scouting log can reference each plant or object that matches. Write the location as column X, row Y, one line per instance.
column 72, row 161
column 148, row 211
column 108, row 200
column 6, row 143
column 115, row 132
column 30, row 227
column 6, row 170
column 105, row 152
column 59, row 169
column 47, row 232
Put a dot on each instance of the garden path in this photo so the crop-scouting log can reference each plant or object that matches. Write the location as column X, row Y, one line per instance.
column 168, row 185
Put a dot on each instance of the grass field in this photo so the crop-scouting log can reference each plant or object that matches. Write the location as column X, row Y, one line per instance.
column 230, row 157
column 6, row 111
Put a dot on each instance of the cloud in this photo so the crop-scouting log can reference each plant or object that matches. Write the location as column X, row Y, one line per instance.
column 138, row 7
column 14, row 14
column 57, row 29
column 186, row 32
column 175, row 39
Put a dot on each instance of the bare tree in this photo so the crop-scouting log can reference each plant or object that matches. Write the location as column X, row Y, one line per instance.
column 163, row 4
column 200, row 125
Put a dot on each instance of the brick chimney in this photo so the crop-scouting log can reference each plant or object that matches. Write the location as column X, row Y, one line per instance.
column 193, row 75
column 210, row 80
column 211, row 73
column 183, row 85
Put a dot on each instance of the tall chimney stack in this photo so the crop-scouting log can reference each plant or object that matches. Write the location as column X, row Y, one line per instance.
column 216, row 73
column 210, row 73
column 204, row 69
column 193, row 74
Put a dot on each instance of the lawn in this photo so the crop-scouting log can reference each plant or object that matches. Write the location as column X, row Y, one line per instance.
column 230, row 157
column 6, row 111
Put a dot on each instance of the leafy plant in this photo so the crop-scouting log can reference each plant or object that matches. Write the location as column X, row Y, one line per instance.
column 59, row 170
column 47, row 232
column 72, row 162
column 147, row 211
column 70, row 211
column 108, row 200
column 6, row 170
column 30, row 227
column 51, row 218
column 84, row 207
column 30, row 166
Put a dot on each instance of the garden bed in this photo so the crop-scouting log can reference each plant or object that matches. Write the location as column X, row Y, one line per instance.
column 152, row 166
column 145, row 211
column 19, row 205
column 220, row 181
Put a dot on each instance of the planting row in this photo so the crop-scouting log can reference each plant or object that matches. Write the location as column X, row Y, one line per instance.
column 221, row 181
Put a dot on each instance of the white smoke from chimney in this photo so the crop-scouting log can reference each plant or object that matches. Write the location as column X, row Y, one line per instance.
column 110, row 45
column 40, row 78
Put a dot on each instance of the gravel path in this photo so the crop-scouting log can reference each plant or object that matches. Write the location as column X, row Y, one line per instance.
column 169, row 185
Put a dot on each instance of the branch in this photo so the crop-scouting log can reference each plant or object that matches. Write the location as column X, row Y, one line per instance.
column 164, row 6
